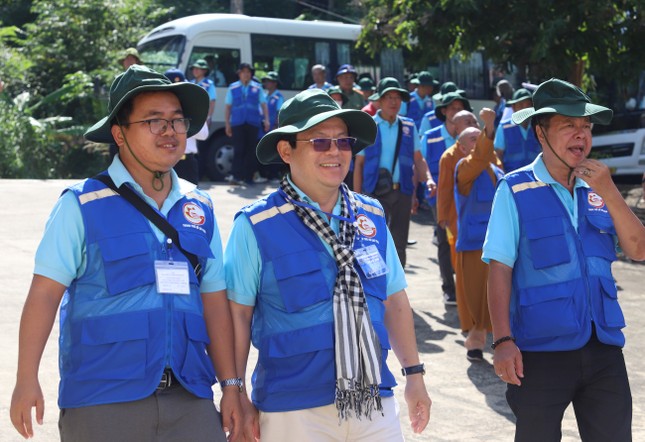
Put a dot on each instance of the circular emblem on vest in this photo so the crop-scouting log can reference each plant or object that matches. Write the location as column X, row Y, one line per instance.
column 366, row 226
column 194, row 214
column 595, row 200
column 406, row 131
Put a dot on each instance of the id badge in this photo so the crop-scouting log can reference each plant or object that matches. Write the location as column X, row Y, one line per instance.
column 172, row 277
column 371, row 261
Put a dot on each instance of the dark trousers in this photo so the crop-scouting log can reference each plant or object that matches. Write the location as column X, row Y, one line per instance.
column 397, row 208
column 245, row 162
column 188, row 168
column 593, row 378
column 443, row 257
column 170, row 415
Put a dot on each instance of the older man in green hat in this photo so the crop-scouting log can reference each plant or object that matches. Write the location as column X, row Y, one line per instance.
column 133, row 256
column 421, row 98
column 386, row 168
column 516, row 144
column 315, row 284
column 552, row 237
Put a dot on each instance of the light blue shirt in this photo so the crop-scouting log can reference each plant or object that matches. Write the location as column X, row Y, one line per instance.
column 425, row 124
column 61, row 254
column 503, row 234
column 243, row 263
column 448, row 139
column 245, row 89
column 500, row 140
column 389, row 132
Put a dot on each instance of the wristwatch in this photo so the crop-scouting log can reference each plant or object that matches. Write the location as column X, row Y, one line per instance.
column 414, row 370
column 233, row 382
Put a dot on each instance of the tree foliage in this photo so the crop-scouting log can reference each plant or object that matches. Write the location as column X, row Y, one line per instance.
column 543, row 38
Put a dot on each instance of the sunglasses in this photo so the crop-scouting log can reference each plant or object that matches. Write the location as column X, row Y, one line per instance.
column 324, row 144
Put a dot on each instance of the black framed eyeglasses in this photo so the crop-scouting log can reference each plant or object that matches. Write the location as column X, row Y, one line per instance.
column 159, row 125
column 324, row 144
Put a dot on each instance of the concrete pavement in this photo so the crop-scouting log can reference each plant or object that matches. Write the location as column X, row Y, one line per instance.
column 468, row 399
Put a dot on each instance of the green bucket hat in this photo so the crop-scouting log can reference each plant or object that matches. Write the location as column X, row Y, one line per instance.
column 337, row 90
column 389, row 84
column 448, row 98
column 137, row 79
column 520, row 95
column 130, row 51
column 307, row 109
column 201, row 64
column 446, row 87
column 366, row 84
column 425, row 78
column 556, row 96
column 272, row 76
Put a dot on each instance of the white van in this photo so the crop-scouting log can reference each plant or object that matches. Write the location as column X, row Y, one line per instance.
column 289, row 47
column 622, row 151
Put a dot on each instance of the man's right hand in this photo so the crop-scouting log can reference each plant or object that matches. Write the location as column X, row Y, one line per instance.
column 25, row 396
column 508, row 364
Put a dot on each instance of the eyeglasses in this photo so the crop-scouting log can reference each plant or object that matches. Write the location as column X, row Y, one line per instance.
column 324, row 144
column 159, row 125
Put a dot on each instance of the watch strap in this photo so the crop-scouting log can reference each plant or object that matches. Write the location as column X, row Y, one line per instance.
column 414, row 369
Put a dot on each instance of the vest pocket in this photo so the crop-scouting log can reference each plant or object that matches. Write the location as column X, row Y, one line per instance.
column 298, row 272
column 299, row 359
column 611, row 314
column 197, row 365
column 113, row 347
column 547, row 242
column 476, row 229
column 126, row 260
column 548, row 311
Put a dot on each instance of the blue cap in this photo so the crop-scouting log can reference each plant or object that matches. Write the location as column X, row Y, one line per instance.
column 346, row 69
column 175, row 75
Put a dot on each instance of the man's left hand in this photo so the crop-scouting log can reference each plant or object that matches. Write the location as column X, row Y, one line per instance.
column 418, row 401
column 432, row 187
column 231, row 410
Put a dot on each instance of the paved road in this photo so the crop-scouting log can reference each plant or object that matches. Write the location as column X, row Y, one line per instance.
column 469, row 403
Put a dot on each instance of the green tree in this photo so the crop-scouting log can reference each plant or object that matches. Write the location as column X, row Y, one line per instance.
column 543, row 38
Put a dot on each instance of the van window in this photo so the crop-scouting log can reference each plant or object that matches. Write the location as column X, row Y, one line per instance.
column 223, row 62
column 163, row 53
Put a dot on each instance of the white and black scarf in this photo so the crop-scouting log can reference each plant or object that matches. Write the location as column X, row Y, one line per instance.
column 357, row 347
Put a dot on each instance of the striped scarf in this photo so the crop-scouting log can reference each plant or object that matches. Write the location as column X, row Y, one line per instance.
column 357, row 347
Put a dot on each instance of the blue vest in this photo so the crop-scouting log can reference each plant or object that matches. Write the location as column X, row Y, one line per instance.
column 406, row 159
column 518, row 151
column 473, row 210
column 272, row 105
column 117, row 333
column 562, row 281
column 417, row 108
column 433, row 145
column 429, row 121
column 245, row 109
column 293, row 325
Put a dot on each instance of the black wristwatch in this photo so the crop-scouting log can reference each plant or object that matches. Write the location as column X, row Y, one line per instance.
column 414, row 370
column 233, row 382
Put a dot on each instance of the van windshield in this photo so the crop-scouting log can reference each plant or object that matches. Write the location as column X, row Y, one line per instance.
column 163, row 53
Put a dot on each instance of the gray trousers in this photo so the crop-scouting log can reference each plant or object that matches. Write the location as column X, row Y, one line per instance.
column 173, row 414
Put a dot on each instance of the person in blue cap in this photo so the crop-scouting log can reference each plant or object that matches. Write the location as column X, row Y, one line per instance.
column 145, row 326
column 315, row 284
column 552, row 237
column 346, row 79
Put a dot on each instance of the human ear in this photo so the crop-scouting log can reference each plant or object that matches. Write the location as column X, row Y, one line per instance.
column 284, row 150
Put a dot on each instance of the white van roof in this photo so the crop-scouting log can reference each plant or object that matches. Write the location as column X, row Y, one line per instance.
column 196, row 24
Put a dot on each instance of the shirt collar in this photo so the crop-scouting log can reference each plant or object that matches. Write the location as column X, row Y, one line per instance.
column 542, row 173
column 306, row 199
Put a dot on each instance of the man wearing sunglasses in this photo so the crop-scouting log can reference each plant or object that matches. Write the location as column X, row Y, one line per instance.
column 316, row 285
column 145, row 323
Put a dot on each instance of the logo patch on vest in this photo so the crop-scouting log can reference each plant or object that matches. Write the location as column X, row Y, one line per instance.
column 406, row 131
column 366, row 226
column 194, row 214
column 595, row 200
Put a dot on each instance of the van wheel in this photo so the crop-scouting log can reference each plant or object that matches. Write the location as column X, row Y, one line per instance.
column 219, row 158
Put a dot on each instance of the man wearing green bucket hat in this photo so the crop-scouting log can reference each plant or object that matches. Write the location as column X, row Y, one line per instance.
column 386, row 168
column 553, row 302
column 421, row 98
column 516, row 144
column 315, row 284
column 133, row 256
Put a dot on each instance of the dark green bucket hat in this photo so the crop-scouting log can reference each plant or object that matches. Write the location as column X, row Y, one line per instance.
column 337, row 90
column 307, row 109
column 137, row 79
column 520, row 95
column 389, row 84
column 201, row 64
column 448, row 98
column 425, row 78
column 446, row 87
column 556, row 96
column 272, row 76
